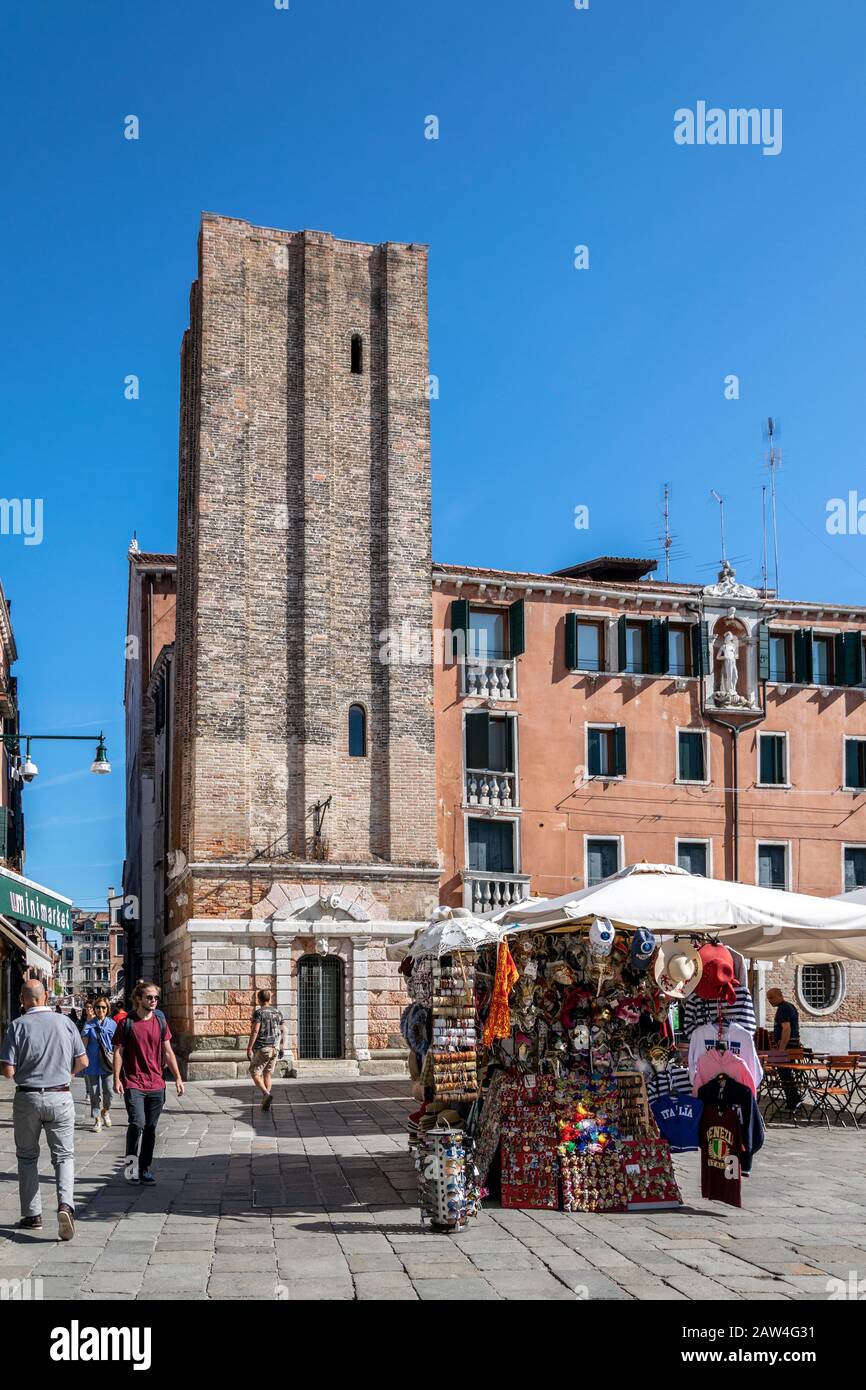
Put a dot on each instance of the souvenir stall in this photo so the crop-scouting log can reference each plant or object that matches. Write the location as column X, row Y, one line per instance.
column 547, row 1066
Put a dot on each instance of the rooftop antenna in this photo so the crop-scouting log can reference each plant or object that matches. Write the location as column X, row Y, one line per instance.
column 666, row 540
column 721, row 502
column 774, row 461
column 764, row 575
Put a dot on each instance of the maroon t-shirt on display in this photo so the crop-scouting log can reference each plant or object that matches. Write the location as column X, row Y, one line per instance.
column 721, row 1148
column 142, row 1053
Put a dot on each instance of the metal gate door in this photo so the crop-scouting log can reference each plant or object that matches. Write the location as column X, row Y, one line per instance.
column 320, row 1007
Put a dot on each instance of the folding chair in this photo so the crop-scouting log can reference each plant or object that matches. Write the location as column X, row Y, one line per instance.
column 837, row 1093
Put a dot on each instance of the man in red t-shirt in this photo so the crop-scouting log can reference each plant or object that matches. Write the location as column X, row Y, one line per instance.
column 142, row 1049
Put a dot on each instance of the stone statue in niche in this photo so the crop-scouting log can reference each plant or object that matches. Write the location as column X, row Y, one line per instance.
column 727, row 657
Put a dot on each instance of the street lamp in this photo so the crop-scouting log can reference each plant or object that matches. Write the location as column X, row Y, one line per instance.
column 28, row 770
column 100, row 764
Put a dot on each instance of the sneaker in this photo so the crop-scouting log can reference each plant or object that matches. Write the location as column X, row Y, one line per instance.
column 97, row 1124
column 266, row 1103
column 106, row 1119
column 66, row 1222
column 146, row 1176
column 30, row 1223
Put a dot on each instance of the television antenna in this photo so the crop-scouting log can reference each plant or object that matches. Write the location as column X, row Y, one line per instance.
column 764, row 575
column 721, row 502
column 772, row 432
column 666, row 542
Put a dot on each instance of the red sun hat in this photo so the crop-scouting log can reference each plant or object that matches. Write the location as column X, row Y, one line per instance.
column 719, row 976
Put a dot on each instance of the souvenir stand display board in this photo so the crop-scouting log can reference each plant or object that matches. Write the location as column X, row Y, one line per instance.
column 443, row 993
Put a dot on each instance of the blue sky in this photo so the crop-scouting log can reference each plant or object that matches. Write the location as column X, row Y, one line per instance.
column 558, row 387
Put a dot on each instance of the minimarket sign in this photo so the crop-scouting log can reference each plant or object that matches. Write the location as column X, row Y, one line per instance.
column 31, row 903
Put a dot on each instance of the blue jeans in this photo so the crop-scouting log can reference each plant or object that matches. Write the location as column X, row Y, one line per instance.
column 144, row 1109
column 98, row 1090
column 53, row 1111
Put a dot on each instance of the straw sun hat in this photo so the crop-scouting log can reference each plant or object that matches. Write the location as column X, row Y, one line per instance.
column 677, row 969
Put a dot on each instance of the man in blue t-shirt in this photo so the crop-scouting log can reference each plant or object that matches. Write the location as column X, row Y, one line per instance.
column 786, row 1035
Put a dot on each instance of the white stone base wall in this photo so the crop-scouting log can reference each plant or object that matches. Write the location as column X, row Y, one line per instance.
column 218, row 966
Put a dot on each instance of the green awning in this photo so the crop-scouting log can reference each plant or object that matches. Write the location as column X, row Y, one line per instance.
column 31, row 903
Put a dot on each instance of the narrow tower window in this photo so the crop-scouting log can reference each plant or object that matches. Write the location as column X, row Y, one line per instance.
column 357, row 731
column 357, row 354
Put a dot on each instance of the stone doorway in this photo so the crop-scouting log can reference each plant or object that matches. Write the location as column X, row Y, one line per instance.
column 321, row 1008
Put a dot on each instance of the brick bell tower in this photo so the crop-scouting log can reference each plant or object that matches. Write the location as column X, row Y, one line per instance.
column 304, row 534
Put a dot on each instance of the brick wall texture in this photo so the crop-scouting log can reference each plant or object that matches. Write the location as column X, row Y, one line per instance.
column 303, row 534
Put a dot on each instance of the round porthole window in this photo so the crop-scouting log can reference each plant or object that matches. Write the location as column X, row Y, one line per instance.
column 821, row 988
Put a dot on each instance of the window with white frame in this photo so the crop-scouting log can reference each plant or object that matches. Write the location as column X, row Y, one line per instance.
column 691, row 755
column 694, row 856
column 821, row 988
column 492, row 846
column 773, row 865
column 602, row 859
column 605, row 750
column 853, row 868
column 772, row 760
column 855, row 764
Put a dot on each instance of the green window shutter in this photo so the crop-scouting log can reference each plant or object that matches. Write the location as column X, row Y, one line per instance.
column 664, row 647
column 621, row 644
column 685, row 771
column 763, row 652
column 619, row 751
column 460, row 624
column 655, row 648
column 510, row 732
column 516, row 628
column 691, row 756
column 701, row 649
column 772, row 757
column 4, row 832
column 803, row 656
column 593, row 751
column 848, row 658
column 571, row 641
column 853, row 761
column 478, row 739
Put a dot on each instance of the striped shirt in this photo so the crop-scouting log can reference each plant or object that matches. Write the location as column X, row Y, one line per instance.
column 697, row 1011
column 674, row 1081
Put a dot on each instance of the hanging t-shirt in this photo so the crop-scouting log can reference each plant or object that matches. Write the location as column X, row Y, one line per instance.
column 673, row 1081
column 678, row 1119
column 721, row 1146
column 697, row 1011
column 734, row 1039
column 723, row 1063
column 725, row 1093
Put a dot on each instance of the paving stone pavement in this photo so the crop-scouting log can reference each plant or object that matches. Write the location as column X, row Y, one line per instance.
column 316, row 1200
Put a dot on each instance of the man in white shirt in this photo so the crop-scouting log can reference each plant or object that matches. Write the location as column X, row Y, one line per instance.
column 41, row 1052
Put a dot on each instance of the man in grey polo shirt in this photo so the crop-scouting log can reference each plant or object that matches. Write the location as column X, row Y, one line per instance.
column 42, row 1051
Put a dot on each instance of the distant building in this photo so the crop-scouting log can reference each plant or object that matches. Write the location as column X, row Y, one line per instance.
column 91, row 960
column 150, row 626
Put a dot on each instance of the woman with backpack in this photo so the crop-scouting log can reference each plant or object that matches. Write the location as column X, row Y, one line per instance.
column 142, row 1050
column 98, row 1037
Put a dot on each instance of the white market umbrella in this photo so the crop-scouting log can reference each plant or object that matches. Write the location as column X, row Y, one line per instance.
column 761, row 922
column 450, row 929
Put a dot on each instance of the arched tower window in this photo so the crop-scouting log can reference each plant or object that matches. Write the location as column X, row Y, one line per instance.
column 357, row 354
column 357, row 731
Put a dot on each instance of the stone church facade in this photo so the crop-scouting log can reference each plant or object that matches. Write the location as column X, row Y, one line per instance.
column 302, row 799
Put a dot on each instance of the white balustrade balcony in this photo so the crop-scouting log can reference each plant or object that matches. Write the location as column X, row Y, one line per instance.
column 493, row 680
column 494, row 789
column 489, row 892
